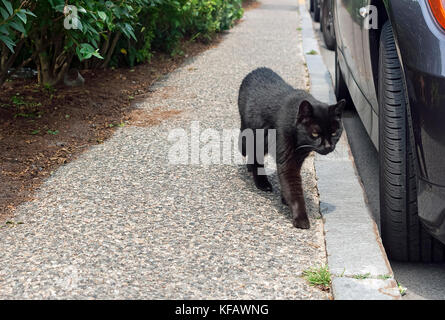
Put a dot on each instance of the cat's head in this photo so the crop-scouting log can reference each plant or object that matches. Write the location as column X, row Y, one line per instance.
column 319, row 125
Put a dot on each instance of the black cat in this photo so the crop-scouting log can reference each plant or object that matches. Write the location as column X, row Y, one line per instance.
column 302, row 123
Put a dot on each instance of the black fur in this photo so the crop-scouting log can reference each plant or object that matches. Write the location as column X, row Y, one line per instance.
column 302, row 123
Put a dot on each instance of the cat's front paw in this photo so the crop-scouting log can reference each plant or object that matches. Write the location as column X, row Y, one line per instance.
column 301, row 222
column 262, row 183
column 283, row 200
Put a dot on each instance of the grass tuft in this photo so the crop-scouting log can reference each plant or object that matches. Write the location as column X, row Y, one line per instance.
column 362, row 276
column 402, row 289
column 319, row 277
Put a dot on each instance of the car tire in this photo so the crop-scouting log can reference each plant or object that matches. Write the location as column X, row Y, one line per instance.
column 403, row 235
column 314, row 9
column 327, row 24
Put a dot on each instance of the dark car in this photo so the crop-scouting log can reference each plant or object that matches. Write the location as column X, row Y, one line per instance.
column 390, row 60
column 314, row 9
column 322, row 11
column 327, row 23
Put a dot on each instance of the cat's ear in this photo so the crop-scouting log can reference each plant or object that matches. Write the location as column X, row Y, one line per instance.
column 305, row 110
column 338, row 108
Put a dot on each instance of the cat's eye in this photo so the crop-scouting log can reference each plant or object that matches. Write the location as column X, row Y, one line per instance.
column 315, row 134
column 334, row 134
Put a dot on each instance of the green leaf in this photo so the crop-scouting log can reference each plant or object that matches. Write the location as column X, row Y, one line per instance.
column 18, row 26
column 59, row 8
column 86, row 51
column 129, row 30
column 5, row 14
column 78, row 25
column 4, row 30
column 100, row 25
column 22, row 16
column 97, row 54
column 8, row 6
column 8, row 42
column 53, row 132
column 102, row 15
column 57, row 3
column 94, row 42
column 29, row 13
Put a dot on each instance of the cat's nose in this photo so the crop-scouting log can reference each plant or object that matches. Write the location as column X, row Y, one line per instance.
column 327, row 145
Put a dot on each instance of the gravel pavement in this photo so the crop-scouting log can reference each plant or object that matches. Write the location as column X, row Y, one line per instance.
column 121, row 222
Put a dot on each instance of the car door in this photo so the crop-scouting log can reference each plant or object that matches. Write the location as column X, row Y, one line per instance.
column 370, row 64
column 350, row 25
column 350, row 28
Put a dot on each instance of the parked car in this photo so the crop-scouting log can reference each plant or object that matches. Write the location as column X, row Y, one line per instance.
column 327, row 23
column 314, row 9
column 321, row 11
column 395, row 76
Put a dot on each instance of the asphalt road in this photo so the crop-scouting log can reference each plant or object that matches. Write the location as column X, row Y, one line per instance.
column 423, row 281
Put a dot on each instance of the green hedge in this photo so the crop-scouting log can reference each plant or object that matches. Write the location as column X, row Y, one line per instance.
column 98, row 33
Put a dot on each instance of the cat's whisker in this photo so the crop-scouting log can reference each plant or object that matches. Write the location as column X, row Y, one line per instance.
column 305, row 146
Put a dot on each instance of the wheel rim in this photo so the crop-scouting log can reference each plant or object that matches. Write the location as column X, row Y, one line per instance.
column 328, row 21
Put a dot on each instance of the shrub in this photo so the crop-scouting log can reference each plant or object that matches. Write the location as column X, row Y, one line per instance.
column 96, row 33
column 13, row 31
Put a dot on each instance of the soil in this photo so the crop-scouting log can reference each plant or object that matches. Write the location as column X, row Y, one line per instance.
column 43, row 128
column 251, row 4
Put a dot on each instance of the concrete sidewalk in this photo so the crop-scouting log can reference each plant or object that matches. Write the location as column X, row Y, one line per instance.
column 121, row 222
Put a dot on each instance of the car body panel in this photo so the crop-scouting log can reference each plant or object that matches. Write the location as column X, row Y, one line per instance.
column 349, row 29
column 370, row 69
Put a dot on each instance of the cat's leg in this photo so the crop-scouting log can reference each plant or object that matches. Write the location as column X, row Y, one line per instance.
column 292, row 192
column 242, row 145
column 246, row 146
column 283, row 200
column 260, row 178
column 242, row 140
column 258, row 171
column 250, row 167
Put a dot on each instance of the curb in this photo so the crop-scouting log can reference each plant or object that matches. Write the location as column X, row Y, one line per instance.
column 357, row 261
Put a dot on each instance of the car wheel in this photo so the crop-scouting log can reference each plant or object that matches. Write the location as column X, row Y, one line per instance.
column 327, row 24
column 403, row 236
column 315, row 10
